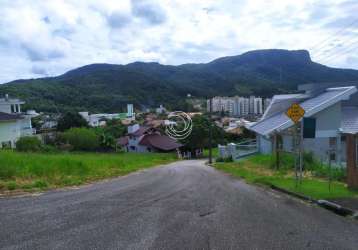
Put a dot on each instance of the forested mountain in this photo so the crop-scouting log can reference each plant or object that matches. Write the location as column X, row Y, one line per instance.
column 109, row 87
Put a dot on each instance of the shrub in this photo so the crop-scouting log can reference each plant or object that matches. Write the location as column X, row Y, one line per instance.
column 71, row 120
column 11, row 185
column 81, row 139
column 28, row 144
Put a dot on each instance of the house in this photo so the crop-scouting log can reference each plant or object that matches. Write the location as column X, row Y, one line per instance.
column 335, row 110
column 13, row 122
column 147, row 139
column 95, row 120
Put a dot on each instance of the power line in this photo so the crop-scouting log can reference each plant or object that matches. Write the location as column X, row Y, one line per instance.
column 341, row 42
column 341, row 54
column 321, row 44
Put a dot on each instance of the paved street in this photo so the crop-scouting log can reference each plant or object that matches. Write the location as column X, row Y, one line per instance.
column 184, row 205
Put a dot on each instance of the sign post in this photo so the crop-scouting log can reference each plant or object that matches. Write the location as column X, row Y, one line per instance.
column 296, row 113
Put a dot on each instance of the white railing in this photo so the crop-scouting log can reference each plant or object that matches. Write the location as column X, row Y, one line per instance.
column 239, row 150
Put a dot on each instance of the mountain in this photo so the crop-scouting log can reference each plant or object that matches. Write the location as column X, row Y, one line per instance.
column 109, row 87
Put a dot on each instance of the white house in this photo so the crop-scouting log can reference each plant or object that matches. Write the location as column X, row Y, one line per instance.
column 13, row 123
column 336, row 114
column 95, row 120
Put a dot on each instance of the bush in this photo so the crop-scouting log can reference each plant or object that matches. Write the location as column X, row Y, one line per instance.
column 81, row 139
column 71, row 120
column 29, row 144
column 225, row 159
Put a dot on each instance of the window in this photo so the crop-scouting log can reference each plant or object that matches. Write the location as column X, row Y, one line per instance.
column 12, row 108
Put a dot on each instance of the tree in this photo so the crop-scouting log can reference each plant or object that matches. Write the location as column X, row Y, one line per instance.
column 199, row 137
column 81, row 139
column 71, row 120
column 28, row 144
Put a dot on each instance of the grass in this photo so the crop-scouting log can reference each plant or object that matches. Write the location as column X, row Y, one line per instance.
column 40, row 171
column 215, row 152
column 259, row 169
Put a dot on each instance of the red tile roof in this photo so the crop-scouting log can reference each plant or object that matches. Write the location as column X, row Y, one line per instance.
column 123, row 140
column 161, row 142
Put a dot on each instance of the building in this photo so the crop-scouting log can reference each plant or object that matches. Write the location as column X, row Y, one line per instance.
column 160, row 110
column 13, row 122
column 142, row 139
column 334, row 110
column 238, row 106
column 95, row 120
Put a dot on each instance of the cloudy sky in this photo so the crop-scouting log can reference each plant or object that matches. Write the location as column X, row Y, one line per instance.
column 46, row 38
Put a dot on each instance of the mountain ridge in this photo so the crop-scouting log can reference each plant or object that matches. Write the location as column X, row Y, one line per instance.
column 103, row 87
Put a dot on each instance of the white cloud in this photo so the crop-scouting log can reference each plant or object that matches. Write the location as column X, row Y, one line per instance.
column 50, row 37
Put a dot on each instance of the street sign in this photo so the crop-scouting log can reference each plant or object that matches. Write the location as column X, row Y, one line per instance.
column 295, row 112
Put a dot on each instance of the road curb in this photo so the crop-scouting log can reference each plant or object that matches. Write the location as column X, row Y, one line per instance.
column 300, row 196
column 331, row 206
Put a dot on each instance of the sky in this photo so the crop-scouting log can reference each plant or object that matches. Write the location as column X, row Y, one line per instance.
column 47, row 38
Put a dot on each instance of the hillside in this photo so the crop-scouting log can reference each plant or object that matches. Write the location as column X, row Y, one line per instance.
column 108, row 87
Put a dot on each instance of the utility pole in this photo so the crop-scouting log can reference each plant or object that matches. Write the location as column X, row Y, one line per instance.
column 210, row 132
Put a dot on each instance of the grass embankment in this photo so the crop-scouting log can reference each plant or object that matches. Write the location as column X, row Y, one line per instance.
column 259, row 169
column 39, row 171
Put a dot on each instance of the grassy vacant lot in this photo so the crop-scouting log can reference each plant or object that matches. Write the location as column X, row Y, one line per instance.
column 34, row 171
column 258, row 169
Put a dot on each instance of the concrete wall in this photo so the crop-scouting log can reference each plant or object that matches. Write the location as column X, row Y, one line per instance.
column 9, row 131
column 352, row 168
column 329, row 121
column 13, row 130
column 264, row 145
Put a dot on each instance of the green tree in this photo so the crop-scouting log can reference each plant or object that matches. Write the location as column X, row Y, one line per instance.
column 71, row 120
column 81, row 139
column 28, row 144
column 199, row 137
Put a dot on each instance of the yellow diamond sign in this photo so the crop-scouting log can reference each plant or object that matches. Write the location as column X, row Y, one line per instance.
column 295, row 112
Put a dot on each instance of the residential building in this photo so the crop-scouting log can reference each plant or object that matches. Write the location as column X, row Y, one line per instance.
column 335, row 111
column 144, row 139
column 13, row 122
column 95, row 120
column 238, row 106
column 160, row 110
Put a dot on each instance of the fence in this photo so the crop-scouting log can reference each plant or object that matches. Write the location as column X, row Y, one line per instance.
column 239, row 150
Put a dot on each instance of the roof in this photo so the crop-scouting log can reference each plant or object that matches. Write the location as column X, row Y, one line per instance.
column 161, row 142
column 280, row 103
column 141, row 131
column 350, row 120
column 123, row 140
column 9, row 117
column 280, row 121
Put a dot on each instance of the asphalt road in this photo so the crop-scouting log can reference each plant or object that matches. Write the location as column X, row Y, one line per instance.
column 185, row 205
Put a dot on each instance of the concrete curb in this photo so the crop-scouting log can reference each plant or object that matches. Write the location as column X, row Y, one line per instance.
column 300, row 196
column 338, row 209
column 334, row 207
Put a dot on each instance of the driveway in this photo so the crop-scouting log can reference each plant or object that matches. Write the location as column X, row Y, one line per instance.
column 183, row 205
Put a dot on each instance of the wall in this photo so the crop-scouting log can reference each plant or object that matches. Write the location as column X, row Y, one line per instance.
column 265, row 145
column 13, row 130
column 328, row 121
column 352, row 168
column 9, row 131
